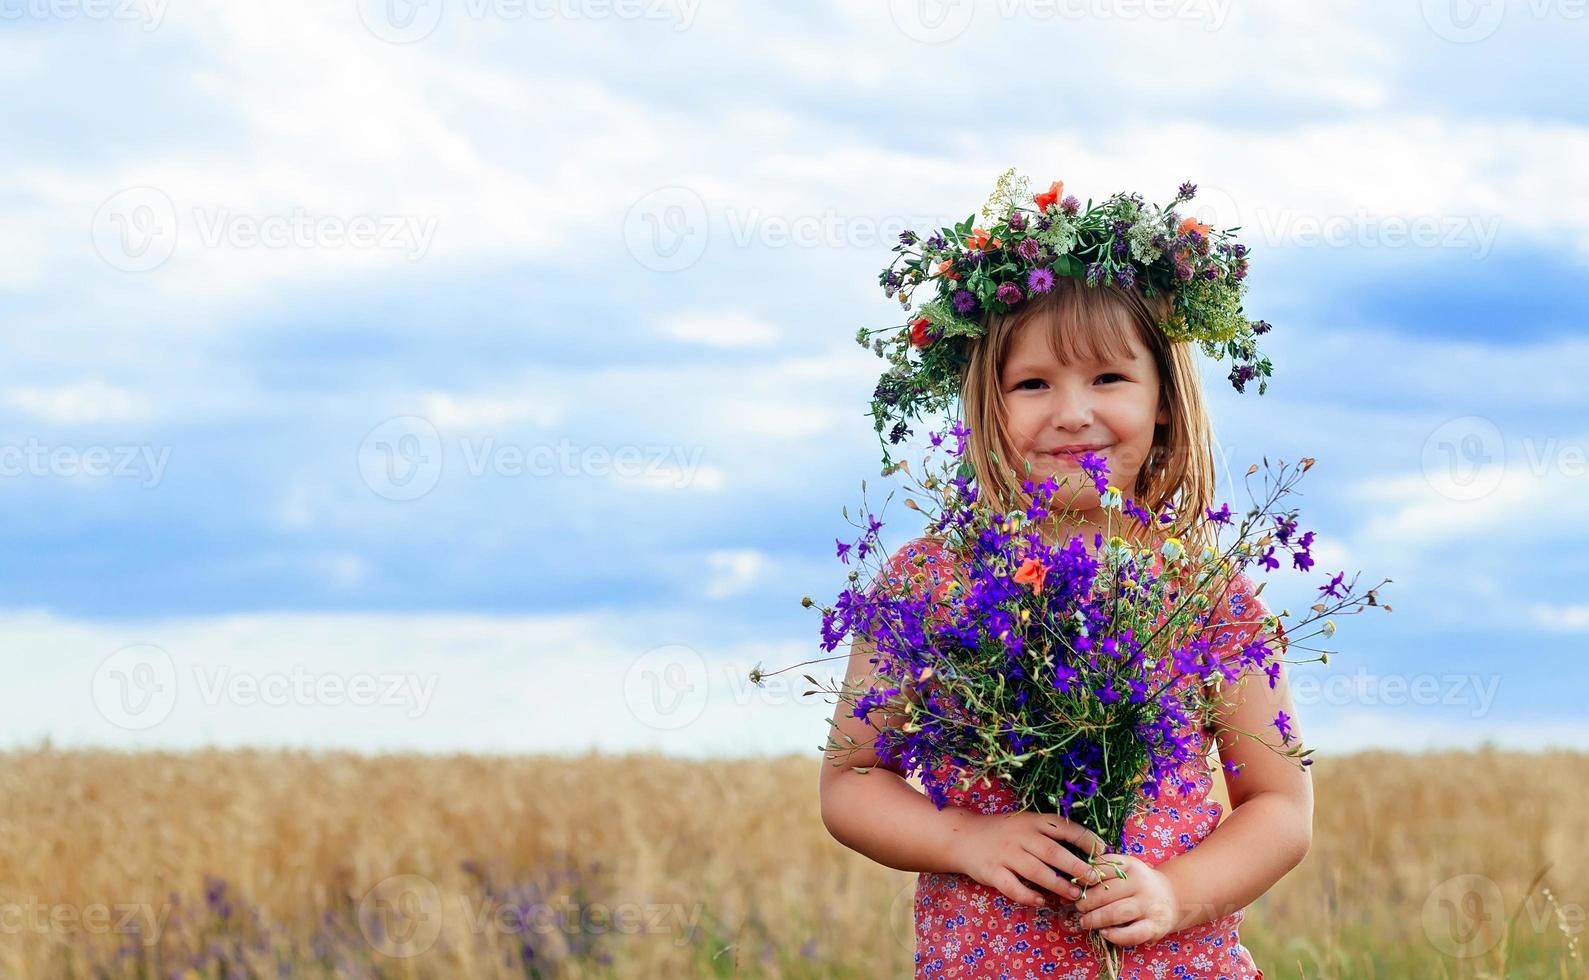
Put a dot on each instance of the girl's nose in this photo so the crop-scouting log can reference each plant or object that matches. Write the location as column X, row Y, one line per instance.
column 1069, row 409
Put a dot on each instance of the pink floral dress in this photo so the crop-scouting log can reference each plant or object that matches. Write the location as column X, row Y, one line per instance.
column 967, row 929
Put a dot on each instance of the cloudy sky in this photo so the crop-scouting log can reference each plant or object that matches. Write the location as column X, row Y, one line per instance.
column 480, row 374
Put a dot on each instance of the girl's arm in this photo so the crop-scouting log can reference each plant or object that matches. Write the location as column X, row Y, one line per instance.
column 878, row 812
column 1270, row 826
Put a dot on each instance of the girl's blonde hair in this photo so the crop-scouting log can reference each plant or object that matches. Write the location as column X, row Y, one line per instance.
column 1096, row 322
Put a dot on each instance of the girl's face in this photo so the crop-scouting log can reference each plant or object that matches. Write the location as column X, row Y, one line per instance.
column 1107, row 406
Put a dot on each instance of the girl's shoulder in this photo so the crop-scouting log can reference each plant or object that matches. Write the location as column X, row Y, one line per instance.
column 923, row 560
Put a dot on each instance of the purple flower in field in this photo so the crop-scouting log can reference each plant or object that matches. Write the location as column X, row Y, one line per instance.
column 1261, row 326
column 1017, row 221
column 1221, row 516
column 936, row 243
column 1268, row 560
column 907, row 237
column 843, row 551
column 964, row 301
column 1008, row 293
column 1125, row 277
column 1039, row 280
column 1187, row 191
column 1028, row 249
column 1070, row 205
column 1273, row 670
column 1094, row 273
column 1283, row 726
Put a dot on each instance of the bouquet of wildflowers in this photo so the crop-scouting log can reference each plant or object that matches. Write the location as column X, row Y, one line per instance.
column 1075, row 675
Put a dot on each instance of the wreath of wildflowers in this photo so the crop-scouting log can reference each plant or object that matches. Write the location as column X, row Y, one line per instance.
column 1024, row 241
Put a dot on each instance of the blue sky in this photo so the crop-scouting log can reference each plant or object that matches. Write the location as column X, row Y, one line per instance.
column 546, row 402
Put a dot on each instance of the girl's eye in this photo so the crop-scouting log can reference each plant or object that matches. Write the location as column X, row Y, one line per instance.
column 1022, row 386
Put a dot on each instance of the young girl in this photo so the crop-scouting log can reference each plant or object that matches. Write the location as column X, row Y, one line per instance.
column 1084, row 368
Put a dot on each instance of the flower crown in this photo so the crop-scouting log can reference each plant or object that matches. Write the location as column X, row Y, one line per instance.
column 1025, row 241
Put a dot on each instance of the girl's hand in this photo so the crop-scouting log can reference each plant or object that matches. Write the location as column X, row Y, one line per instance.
column 1139, row 908
column 1014, row 851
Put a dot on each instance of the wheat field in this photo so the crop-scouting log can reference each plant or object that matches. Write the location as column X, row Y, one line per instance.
column 254, row 863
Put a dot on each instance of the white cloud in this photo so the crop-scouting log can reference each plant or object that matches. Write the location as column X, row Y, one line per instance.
column 1565, row 618
column 1400, row 729
column 787, row 421
column 80, row 403
column 734, row 572
column 481, row 411
column 719, row 328
column 562, row 683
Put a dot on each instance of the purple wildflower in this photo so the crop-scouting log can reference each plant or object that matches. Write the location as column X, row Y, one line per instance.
column 1039, row 280
column 964, row 301
column 1329, row 589
column 1283, row 726
column 1097, row 467
column 1008, row 293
